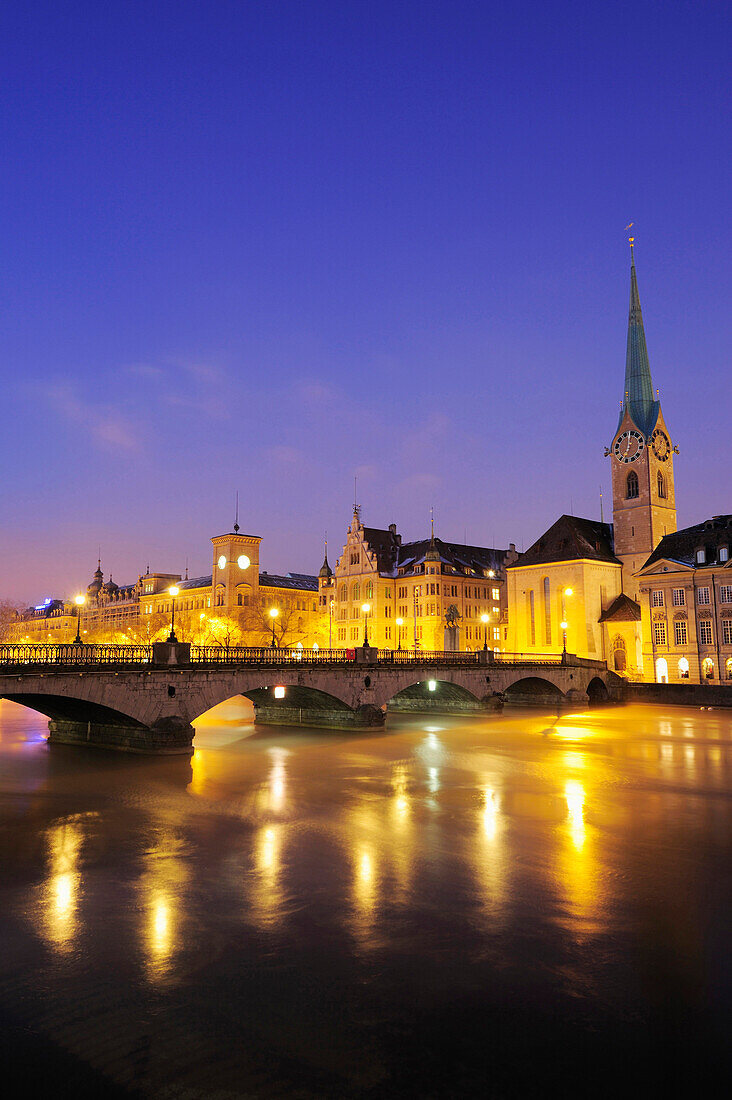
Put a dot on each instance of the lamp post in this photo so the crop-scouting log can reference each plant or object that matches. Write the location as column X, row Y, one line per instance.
column 273, row 613
column 563, row 625
column 399, row 633
column 484, row 619
column 365, row 607
column 79, row 601
column 173, row 590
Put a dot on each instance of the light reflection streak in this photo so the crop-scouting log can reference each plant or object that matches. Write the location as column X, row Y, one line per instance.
column 60, row 893
column 266, row 894
column 162, row 888
column 575, row 795
column 277, row 780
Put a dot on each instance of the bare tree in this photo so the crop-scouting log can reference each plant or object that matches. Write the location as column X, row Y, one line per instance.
column 9, row 614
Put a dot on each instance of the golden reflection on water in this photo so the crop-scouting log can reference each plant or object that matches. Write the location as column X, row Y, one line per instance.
column 579, row 873
column 162, row 888
column 60, row 893
column 277, row 780
column 574, row 792
column 266, row 892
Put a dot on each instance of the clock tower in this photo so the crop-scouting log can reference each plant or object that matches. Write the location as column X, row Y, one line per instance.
column 641, row 456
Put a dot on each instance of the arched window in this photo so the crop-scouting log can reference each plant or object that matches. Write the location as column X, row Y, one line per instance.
column 661, row 480
column 619, row 655
column 547, row 613
column 369, row 593
column 708, row 668
column 343, row 593
column 728, row 666
column 683, row 668
column 355, row 592
column 661, row 670
column 632, row 483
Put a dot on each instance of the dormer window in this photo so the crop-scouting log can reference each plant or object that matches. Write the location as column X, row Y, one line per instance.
column 724, row 553
column 701, row 556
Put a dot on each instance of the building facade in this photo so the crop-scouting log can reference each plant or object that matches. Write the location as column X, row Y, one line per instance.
column 236, row 604
column 686, row 605
column 429, row 594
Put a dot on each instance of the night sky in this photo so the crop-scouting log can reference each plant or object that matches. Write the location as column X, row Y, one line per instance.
column 268, row 246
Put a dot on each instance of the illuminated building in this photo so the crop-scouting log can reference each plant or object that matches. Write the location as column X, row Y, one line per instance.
column 427, row 594
column 686, row 605
column 230, row 606
column 650, row 600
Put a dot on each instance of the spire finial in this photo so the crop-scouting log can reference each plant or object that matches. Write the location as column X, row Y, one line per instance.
column 186, row 567
column 236, row 518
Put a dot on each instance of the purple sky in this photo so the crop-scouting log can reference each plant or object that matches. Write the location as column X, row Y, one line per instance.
column 267, row 246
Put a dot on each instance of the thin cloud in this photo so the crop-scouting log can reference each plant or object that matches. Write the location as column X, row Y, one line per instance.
column 104, row 425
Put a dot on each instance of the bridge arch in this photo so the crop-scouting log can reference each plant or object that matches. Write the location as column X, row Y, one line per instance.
column 280, row 698
column 433, row 694
column 533, row 690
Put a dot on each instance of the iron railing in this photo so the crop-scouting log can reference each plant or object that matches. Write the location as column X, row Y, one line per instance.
column 256, row 655
column 92, row 654
column 75, row 654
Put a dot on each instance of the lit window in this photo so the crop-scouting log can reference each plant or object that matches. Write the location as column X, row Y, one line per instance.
column 725, row 593
column 727, row 631
column 680, row 637
column 724, row 553
column 702, row 596
column 679, row 597
column 659, row 633
column 657, row 598
column 705, row 632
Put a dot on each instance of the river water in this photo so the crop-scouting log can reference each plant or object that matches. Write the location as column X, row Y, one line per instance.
column 498, row 905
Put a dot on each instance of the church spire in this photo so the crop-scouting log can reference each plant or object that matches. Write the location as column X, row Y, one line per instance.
column 639, row 398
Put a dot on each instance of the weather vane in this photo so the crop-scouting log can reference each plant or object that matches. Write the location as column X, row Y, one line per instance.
column 630, row 239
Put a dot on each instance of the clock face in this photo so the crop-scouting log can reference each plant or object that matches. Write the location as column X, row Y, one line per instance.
column 222, row 562
column 661, row 445
column 629, row 446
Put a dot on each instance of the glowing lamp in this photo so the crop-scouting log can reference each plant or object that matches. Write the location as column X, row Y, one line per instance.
column 491, row 573
column 399, row 622
column 279, row 692
column 273, row 612
column 568, row 592
column 79, row 600
column 563, row 625
column 432, row 685
column 484, row 618
column 174, row 590
column 365, row 607
column 242, row 561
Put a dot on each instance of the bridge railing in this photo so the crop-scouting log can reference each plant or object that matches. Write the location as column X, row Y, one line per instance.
column 71, row 654
column 247, row 655
column 428, row 657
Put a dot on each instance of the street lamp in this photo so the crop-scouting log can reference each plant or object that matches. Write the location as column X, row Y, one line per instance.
column 273, row 613
column 484, row 619
column 399, row 632
column 563, row 625
column 173, row 590
column 79, row 601
column 365, row 607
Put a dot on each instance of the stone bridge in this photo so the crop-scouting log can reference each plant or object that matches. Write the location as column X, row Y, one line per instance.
column 145, row 699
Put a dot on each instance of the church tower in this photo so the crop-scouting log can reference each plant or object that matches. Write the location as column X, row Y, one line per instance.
column 641, row 455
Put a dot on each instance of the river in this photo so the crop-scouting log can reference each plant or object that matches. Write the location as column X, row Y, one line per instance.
column 498, row 905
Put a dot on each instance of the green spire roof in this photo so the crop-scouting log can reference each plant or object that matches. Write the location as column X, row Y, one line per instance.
column 638, row 395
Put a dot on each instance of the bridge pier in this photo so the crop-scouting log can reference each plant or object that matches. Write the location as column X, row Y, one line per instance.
column 169, row 736
column 364, row 717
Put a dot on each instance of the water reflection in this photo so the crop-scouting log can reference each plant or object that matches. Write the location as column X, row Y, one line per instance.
column 574, row 792
column 61, row 890
column 266, row 892
column 162, row 888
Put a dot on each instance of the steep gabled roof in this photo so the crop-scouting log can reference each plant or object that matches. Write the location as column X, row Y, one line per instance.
column 465, row 559
column 385, row 544
column 681, row 546
column 570, row 539
column 621, row 610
